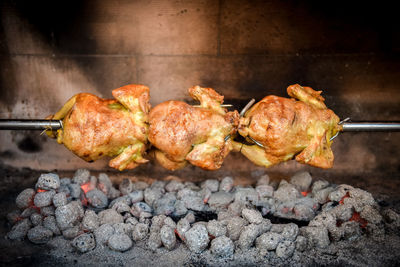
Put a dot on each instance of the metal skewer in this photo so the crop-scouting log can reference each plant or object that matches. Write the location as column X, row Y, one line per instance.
column 357, row 127
column 348, row 126
column 30, row 124
column 8, row 124
column 371, row 126
column 244, row 110
column 223, row 106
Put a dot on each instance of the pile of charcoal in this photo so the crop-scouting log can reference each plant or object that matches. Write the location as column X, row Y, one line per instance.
column 215, row 215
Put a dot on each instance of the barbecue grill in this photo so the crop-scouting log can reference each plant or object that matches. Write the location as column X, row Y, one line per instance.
column 51, row 51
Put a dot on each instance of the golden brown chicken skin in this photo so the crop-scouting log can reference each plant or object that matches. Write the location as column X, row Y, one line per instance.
column 183, row 133
column 94, row 127
column 288, row 128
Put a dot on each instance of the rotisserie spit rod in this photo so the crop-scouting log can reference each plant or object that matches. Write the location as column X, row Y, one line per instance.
column 8, row 124
column 30, row 124
column 371, row 126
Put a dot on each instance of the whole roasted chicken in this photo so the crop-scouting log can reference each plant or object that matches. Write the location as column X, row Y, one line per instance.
column 287, row 128
column 183, row 133
column 94, row 127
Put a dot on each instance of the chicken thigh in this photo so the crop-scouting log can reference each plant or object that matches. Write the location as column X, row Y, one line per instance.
column 288, row 128
column 182, row 133
column 94, row 127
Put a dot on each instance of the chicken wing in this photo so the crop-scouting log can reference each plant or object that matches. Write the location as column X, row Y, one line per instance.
column 288, row 128
column 94, row 127
column 183, row 133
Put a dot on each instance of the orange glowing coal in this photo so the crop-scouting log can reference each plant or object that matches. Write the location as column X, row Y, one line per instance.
column 178, row 235
column 86, row 187
column 41, row 190
column 305, row 193
column 357, row 218
column 341, row 202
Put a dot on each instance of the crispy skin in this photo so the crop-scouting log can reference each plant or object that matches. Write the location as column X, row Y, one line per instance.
column 183, row 133
column 95, row 127
column 289, row 128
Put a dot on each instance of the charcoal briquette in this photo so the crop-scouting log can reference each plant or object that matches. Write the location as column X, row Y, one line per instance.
column 120, row 242
column 48, row 181
column 222, row 247
column 25, row 198
column 84, row 242
column 39, row 235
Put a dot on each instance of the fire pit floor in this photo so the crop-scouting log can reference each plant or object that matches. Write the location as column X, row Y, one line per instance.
column 362, row 251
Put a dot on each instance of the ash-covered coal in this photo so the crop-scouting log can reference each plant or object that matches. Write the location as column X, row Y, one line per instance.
column 212, row 217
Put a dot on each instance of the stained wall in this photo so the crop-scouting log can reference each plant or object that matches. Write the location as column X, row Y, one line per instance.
column 51, row 50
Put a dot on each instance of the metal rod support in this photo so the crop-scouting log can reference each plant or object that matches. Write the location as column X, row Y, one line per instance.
column 30, row 124
column 371, row 126
column 223, row 106
column 57, row 124
column 246, row 108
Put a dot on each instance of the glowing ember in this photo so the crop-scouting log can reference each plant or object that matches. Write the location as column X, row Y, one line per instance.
column 305, row 193
column 342, row 200
column 86, row 187
column 178, row 235
column 357, row 218
column 41, row 190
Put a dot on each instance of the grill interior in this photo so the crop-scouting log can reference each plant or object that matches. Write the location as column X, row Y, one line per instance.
column 243, row 49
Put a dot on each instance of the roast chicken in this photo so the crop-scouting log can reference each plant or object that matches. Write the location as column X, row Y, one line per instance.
column 94, row 127
column 281, row 129
column 289, row 128
column 182, row 133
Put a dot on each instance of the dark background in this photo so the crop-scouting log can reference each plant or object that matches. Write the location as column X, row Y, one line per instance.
column 51, row 50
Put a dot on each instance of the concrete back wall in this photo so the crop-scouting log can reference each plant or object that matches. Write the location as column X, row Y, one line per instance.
column 51, row 50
